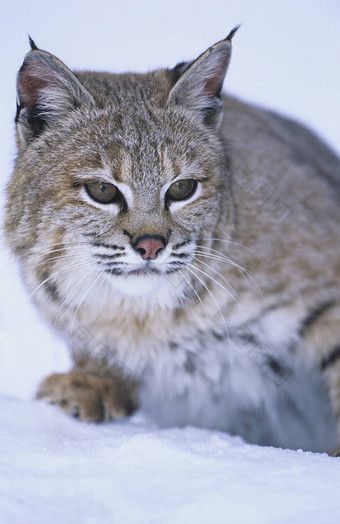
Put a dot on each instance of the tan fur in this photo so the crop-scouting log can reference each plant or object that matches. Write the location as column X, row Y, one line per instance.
column 90, row 398
column 268, row 200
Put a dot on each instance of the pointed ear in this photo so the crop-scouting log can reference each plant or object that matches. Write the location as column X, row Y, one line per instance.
column 47, row 92
column 199, row 85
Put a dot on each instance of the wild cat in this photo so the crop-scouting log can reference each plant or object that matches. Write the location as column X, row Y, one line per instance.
column 186, row 244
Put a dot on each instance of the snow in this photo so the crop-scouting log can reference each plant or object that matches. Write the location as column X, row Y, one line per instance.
column 63, row 471
column 55, row 469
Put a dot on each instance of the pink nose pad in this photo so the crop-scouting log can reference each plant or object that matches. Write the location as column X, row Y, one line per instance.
column 150, row 246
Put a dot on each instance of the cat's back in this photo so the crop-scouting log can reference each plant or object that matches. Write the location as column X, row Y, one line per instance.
column 286, row 187
column 295, row 166
column 264, row 136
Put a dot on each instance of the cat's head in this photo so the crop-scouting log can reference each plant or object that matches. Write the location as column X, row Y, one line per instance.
column 118, row 177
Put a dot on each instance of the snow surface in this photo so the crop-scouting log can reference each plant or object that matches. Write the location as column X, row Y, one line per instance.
column 54, row 469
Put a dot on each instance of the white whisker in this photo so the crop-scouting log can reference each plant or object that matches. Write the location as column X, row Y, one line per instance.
column 71, row 292
column 83, row 299
column 199, row 298
column 191, row 269
column 223, row 258
column 232, row 293
column 59, row 272
column 220, row 285
column 60, row 246
column 214, row 280
column 53, row 259
column 212, row 256
column 231, row 242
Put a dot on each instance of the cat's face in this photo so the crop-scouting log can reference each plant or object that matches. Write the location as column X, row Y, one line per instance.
column 114, row 192
column 127, row 206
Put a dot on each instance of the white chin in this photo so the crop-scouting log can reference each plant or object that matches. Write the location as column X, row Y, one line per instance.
column 148, row 291
column 140, row 285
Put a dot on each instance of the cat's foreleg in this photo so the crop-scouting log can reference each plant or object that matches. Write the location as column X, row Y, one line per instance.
column 89, row 397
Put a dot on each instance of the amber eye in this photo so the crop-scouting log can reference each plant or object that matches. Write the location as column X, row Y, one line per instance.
column 102, row 192
column 181, row 189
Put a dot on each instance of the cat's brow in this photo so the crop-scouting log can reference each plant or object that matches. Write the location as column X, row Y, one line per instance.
column 102, row 175
column 193, row 170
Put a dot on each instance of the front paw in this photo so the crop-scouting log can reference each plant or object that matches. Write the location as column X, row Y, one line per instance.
column 90, row 398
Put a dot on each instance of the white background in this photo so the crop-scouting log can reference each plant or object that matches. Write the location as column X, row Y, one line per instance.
column 286, row 57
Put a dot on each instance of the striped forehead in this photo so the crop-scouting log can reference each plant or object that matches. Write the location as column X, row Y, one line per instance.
column 152, row 164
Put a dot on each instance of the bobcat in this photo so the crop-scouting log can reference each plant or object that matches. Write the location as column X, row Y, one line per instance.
column 186, row 244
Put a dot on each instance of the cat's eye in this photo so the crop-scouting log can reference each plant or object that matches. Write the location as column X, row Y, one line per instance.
column 102, row 192
column 181, row 189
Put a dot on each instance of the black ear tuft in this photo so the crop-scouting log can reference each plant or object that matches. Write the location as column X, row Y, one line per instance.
column 32, row 43
column 198, row 84
column 233, row 32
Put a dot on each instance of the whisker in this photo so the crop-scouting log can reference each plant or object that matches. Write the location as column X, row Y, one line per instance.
column 232, row 293
column 211, row 256
column 220, row 285
column 60, row 258
column 223, row 258
column 191, row 269
column 97, row 290
column 71, row 292
column 232, row 242
column 199, row 298
column 40, row 255
column 69, row 255
column 59, row 272
column 62, row 244
column 213, row 280
column 83, row 299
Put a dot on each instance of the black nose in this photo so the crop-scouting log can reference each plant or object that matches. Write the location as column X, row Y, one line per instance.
column 149, row 246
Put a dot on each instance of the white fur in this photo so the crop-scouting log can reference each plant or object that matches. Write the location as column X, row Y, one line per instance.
column 233, row 391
